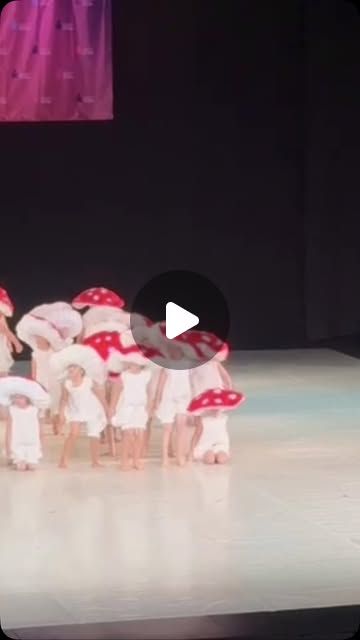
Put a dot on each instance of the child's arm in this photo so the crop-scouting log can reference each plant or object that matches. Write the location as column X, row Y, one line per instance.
column 99, row 391
column 151, row 394
column 41, row 427
column 159, row 389
column 8, row 428
column 80, row 337
column 14, row 342
column 196, row 437
column 116, row 390
column 33, row 368
column 63, row 402
column 227, row 382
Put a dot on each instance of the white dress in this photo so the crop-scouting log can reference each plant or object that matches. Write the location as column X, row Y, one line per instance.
column 214, row 437
column 176, row 395
column 131, row 411
column 25, row 443
column 47, row 378
column 84, row 407
column 6, row 360
column 205, row 377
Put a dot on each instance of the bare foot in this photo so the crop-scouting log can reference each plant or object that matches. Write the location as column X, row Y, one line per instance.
column 63, row 464
column 181, row 462
column 126, row 467
column 165, row 462
column 97, row 465
column 139, row 465
column 30, row 467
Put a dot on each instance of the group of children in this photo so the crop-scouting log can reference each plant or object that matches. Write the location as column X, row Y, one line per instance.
column 88, row 375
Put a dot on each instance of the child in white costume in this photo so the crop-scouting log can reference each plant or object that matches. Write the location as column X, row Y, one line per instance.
column 8, row 341
column 173, row 393
column 211, row 443
column 24, row 399
column 210, row 375
column 83, row 404
column 48, row 329
column 172, row 399
column 130, row 407
column 131, row 399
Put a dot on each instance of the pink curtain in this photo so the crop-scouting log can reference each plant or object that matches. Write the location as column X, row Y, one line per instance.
column 56, row 60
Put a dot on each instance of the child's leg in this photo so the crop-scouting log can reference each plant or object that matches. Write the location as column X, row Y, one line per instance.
column 138, row 448
column 20, row 466
column 180, row 426
column 209, row 457
column 110, row 436
column 172, row 444
column 222, row 457
column 146, row 440
column 167, row 429
column 57, row 431
column 69, row 444
column 126, row 449
column 95, row 451
column 198, row 429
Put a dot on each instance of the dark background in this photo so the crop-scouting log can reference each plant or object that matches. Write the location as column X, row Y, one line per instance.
column 234, row 152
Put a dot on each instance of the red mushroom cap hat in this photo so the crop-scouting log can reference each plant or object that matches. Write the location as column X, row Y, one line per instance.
column 216, row 400
column 204, row 345
column 195, row 345
column 98, row 297
column 104, row 343
column 6, row 306
column 129, row 352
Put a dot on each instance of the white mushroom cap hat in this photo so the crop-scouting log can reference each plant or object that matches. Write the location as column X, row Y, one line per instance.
column 58, row 323
column 63, row 316
column 82, row 356
column 11, row 386
column 216, row 400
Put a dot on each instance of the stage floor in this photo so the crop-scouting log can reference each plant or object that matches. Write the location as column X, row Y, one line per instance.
column 277, row 529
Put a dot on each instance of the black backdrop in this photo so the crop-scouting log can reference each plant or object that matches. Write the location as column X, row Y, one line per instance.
column 233, row 153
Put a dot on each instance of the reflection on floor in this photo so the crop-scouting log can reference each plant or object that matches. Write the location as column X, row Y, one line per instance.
column 277, row 529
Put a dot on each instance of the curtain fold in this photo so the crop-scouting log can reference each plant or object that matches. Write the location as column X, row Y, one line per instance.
column 56, row 60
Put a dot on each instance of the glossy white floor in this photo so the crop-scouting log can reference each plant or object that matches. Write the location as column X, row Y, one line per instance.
column 277, row 529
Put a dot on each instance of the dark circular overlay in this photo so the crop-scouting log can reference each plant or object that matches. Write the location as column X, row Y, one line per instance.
column 195, row 293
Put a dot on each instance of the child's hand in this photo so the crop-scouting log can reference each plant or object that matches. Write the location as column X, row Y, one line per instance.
column 152, row 408
column 19, row 348
column 61, row 422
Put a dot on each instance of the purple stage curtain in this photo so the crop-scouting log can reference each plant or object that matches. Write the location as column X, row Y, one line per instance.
column 56, row 60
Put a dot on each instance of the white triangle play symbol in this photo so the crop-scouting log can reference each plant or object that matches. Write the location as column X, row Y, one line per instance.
column 178, row 320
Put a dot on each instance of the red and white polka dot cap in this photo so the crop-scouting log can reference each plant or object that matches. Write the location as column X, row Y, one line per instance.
column 216, row 400
column 98, row 297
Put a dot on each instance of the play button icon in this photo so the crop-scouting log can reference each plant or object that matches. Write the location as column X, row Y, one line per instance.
column 178, row 320
column 182, row 307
